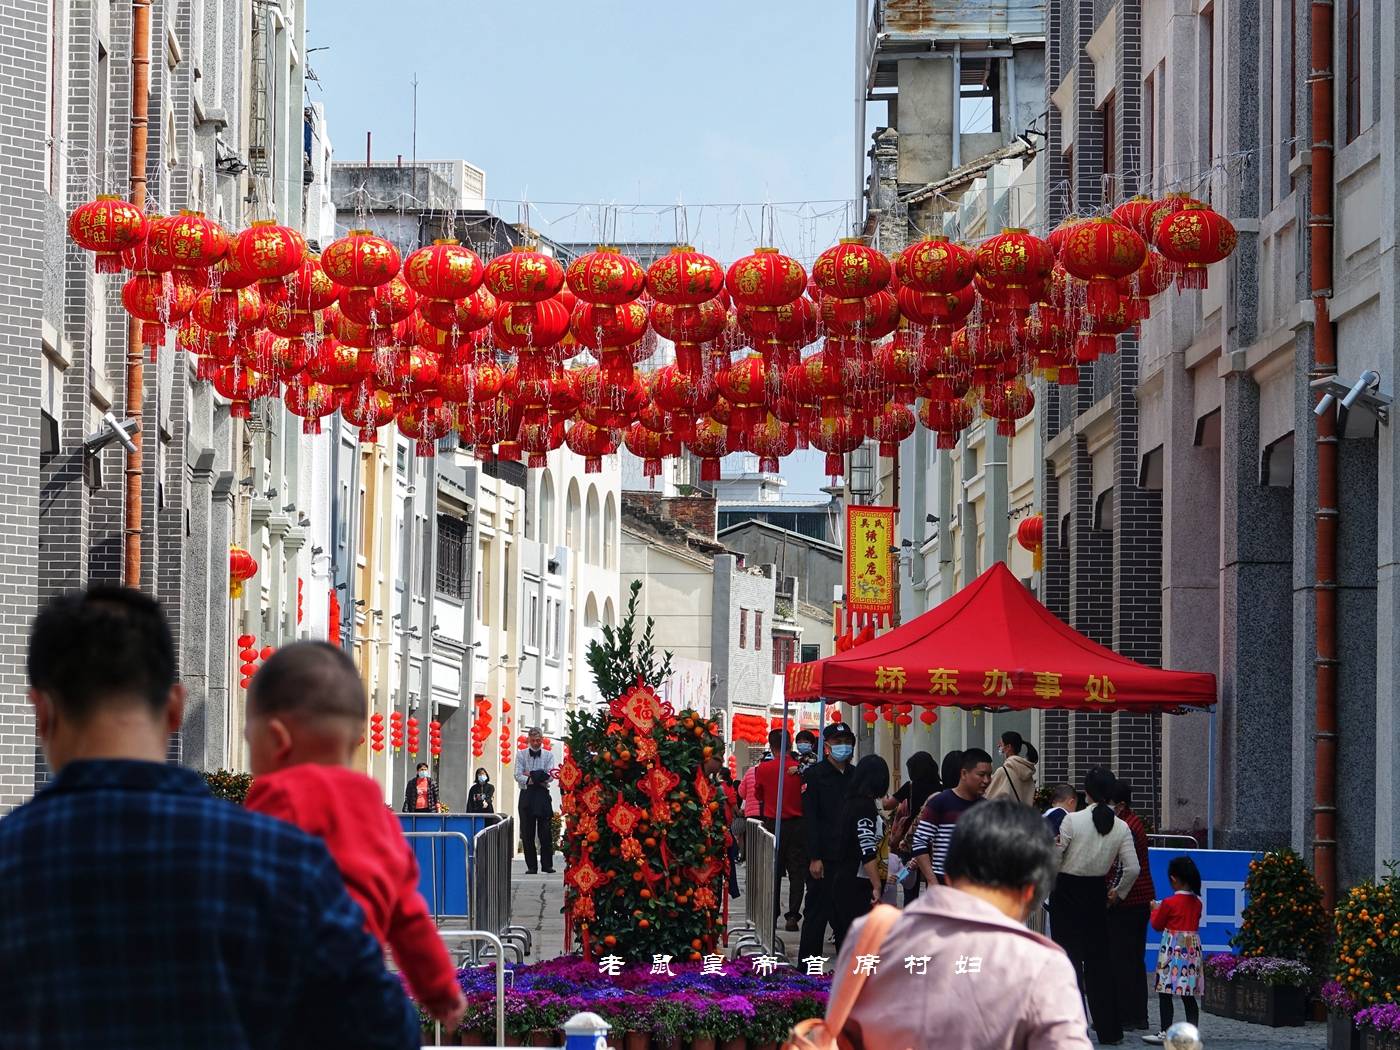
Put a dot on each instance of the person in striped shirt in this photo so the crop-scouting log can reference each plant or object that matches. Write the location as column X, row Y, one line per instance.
column 938, row 818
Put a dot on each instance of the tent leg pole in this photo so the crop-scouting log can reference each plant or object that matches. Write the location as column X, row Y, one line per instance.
column 1210, row 783
column 781, row 758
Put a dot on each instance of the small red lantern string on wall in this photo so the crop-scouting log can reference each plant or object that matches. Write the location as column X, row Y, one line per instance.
column 435, row 738
column 376, row 731
column 412, row 735
column 396, row 730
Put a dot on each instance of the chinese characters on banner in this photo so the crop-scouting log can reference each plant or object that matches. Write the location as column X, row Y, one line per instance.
column 768, row 965
column 994, row 684
column 870, row 566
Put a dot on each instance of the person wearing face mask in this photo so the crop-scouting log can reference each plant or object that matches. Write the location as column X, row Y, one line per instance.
column 823, row 795
column 807, row 749
column 482, row 796
column 420, row 795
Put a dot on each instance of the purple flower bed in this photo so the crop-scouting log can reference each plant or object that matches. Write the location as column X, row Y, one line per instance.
column 1384, row 1018
column 1335, row 997
column 1267, row 969
column 689, row 1004
column 1222, row 966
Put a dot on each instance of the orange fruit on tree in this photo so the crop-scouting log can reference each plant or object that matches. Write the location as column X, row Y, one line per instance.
column 644, row 924
column 694, row 956
column 649, row 841
column 646, row 894
column 695, row 943
column 609, row 940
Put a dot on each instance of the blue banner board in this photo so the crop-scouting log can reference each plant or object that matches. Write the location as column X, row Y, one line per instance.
column 442, row 861
column 1223, row 872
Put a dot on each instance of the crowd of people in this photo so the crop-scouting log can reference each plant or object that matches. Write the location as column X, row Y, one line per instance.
column 1065, row 896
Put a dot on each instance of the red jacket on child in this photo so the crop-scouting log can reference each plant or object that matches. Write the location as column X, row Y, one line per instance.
column 1180, row 912
column 346, row 810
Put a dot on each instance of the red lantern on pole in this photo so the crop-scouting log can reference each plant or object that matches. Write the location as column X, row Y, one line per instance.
column 412, row 735
column 1030, row 534
column 241, row 568
column 396, row 730
column 376, row 731
column 435, row 738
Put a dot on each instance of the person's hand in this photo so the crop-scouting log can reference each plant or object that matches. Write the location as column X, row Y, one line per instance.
column 451, row 1016
column 1155, row 905
column 888, row 802
column 877, row 895
column 1112, row 898
column 815, row 869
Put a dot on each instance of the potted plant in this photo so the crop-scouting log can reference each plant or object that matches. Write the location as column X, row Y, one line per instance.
column 732, row 1015
column 1341, row 1029
column 1379, row 1027
column 1220, row 993
column 1271, row 991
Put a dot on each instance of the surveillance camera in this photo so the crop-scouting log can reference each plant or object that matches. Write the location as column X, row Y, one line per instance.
column 113, row 429
column 1369, row 380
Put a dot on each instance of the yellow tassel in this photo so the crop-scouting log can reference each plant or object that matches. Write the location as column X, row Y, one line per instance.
column 1038, row 557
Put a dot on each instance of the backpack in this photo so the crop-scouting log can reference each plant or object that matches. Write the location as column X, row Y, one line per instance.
column 818, row 1033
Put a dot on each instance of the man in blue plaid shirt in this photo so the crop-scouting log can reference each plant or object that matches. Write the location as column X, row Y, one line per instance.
column 141, row 912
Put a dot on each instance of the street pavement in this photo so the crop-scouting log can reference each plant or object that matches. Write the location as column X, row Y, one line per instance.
column 537, row 902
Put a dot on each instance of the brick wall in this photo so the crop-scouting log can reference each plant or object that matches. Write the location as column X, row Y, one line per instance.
column 23, row 128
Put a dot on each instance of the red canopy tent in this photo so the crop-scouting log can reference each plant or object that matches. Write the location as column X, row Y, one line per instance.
column 992, row 645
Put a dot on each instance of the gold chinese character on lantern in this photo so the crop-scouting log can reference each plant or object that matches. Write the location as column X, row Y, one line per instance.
column 889, row 679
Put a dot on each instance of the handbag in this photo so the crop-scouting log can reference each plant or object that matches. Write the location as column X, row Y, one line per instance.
column 899, row 826
column 824, row 1033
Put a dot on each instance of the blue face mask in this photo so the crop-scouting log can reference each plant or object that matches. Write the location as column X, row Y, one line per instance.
column 842, row 752
column 804, row 748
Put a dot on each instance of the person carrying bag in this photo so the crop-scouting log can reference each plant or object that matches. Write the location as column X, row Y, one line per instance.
column 824, row 1033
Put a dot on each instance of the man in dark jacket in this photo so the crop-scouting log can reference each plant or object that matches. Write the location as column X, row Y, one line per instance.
column 822, row 794
column 534, row 769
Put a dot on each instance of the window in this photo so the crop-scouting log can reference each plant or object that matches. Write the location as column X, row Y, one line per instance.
column 784, row 652
column 758, row 630
column 451, row 556
column 558, row 627
column 505, row 590
column 1147, row 181
column 592, row 528
column 483, row 583
column 743, row 628
column 810, row 653
column 1110, row 146
column 547, row 513
column 1208, row 67
column 532, row 622
column 573, row 518
column 1353, row 42
column 401, row 460
column 609, row 529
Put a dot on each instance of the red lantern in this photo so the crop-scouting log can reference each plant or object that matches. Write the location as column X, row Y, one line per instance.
column 771, row 440
column 847, row 273
column 599, row 327
column 1143, row 215
column 648, row 446
column 444, row 270
column 425, row 422
column 688, row 328
column 928, row 716
column 309, row 288
column 1015, row 264
column 1007, row 403
column 376, row 731
column 467, row 315
column 1099, row 335
column 310, row 400
column 523, row 275
column 194, row 241
column 1194, row 238
column 228, row 310
column 1102, row 251
column 360, row 259
column 380, row 306
column 157, row 300
column 868, row 319
column 1030, row 534
column 685, row 278
column 764, row 281
column 269, row 251
column 435, row 738
column 946, row 417
column 936, row 266
column 836, row 436
column 744, row 385
column 606, row 277
column 241, row 568
column 107, row 226
column 891, row 426
column 396, row 730
column 1152, row 278
column 289, row 358
column 592, row 443
column 242, row 386
column 522, row 325
column 710, row 444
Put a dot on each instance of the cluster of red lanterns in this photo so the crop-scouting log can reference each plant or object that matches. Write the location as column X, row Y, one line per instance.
column 376, row 732
column 749, row 729
column 506, row 753
column 901, row 715
column 249, row 656
column 441, row 343
column 396, row 730
column 435, row 738
column 412, row 735
column 481, row 726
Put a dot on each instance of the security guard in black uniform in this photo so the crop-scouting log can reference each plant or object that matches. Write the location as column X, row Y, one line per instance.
column 823, row 791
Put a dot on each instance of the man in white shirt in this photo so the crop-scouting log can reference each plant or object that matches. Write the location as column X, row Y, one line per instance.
column 534, row 767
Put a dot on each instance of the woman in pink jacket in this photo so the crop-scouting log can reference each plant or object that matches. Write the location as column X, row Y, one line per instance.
column 959, row 968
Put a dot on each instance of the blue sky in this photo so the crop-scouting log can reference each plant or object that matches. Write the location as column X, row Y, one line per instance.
column 588, row 103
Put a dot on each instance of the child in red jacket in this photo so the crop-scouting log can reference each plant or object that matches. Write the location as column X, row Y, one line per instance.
column 1179, row 958
column 306, row 713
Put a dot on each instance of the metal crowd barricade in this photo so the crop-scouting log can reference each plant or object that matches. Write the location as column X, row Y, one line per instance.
column 490, row 883
column 1173, row 841
column 442, row 895
column 459, row 937
column 760, row 895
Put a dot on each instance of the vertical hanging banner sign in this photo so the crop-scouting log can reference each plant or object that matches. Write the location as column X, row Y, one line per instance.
column 870, row 544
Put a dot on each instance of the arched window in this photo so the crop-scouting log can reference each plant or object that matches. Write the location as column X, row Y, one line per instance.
column 590, row 612
column 609, row 613
column 573, row 524
column 546, row 506
column 609, row 530
column 591, row 527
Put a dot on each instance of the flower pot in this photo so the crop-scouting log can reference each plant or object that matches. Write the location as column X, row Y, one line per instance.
column 763, row 1046
column 1341, row 1033
column 636, row 1041
column 1275, row 1005
column 1373, row 1040
column 1219, row 998
column 465, row 1038
column 703, row 1042
column 542, row 1037
column 514, row 1040
column 740, row 1043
